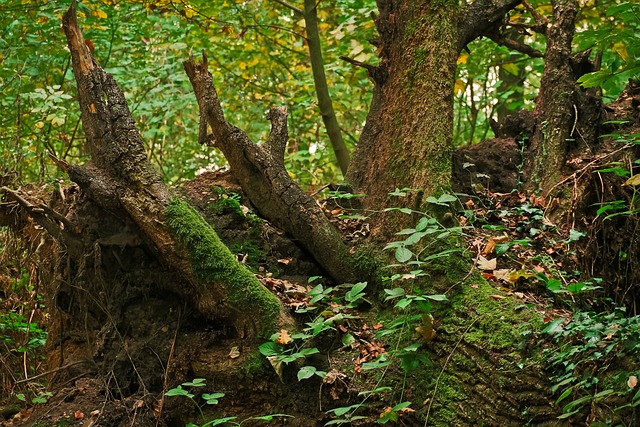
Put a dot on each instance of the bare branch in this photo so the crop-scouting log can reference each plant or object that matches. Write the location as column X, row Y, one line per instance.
column 290, row 6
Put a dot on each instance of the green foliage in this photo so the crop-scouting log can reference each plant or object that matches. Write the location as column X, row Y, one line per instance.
column 258, row 58
column 613, row 33
column 13, row 325
column 212, row 399
column 588, row 361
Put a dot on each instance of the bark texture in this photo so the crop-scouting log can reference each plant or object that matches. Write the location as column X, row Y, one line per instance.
column 555, row 106
column 407, row 139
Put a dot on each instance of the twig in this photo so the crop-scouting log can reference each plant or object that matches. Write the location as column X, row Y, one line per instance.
column 473, row 267
column 53, row 371
column 166, row 371
column 290, row 6
column 588, row 165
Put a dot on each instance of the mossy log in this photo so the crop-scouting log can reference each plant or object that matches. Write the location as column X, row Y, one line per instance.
column 121, row 181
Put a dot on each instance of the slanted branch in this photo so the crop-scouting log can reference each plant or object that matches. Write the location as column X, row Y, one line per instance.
column 261, row 172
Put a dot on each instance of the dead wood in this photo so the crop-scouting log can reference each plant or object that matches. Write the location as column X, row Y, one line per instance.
column 261, row 172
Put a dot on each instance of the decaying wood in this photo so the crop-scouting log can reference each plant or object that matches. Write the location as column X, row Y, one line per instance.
column 263, row 177
column 120, row 180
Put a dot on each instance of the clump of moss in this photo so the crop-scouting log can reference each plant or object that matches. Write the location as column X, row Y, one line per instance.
column 212, row 262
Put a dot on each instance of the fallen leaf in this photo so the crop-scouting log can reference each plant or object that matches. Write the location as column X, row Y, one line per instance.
column 489, row 248
column 284, row 338
column 503, row 274
column 486, row 264
column 634, row 180
column 501, row 239
column 234, row 353
column 79, row 415
column 276, row 364
column 498, row 297
column 475, row 286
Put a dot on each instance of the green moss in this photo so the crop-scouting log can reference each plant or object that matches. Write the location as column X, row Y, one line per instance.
column 212, row 263
column 253, row 365
column 497, row 320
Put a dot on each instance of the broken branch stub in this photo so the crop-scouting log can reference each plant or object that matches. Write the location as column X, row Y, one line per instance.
column 120, row 180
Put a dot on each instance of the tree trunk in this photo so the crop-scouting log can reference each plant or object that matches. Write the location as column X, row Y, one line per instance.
column 555, row 106
column 407, row 139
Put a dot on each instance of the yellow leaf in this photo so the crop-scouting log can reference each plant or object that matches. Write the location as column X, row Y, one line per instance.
column 621, row 49
column 462, row 59
column 459, row 86
column 100, row 14
column 634, row 180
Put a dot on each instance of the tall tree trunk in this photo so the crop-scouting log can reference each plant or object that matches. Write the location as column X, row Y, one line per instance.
column 407, row 139
column 556, row 106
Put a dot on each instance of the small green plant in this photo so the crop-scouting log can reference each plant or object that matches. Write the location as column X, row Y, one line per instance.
column 14, row 324
column 588, row 350
column 40, row 398
column 213, row 399
column 334, row 311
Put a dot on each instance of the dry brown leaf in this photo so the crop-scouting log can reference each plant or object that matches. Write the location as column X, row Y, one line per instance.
column 498, row 297
column 502, row 274
column 501, row 239
column 78, row 415
column 234, row 353
column 284, row 338
column 489, row 248
column 486, row 264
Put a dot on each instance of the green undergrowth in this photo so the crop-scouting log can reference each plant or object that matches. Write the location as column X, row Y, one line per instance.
column 213, row 263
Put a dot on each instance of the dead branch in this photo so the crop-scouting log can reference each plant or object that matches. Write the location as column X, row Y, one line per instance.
column 263, row 177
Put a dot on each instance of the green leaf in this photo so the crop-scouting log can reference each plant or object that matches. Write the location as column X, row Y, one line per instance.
column 197, row 382
column 212, row 399
column 218, row 421
column 564, row 395
column 437, row 297
column 306, row 372
column 348, row 339
column 271, row 417
column 393, row 293
column 270, row 348
column 374, row 391
column 554, row 327
column 403, row 254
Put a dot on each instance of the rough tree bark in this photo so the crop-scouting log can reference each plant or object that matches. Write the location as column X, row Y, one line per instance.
column 407, row 139
column 555, row 106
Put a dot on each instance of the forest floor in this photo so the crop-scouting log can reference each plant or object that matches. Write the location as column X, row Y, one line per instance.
column 551, row 266
column 511, row 241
